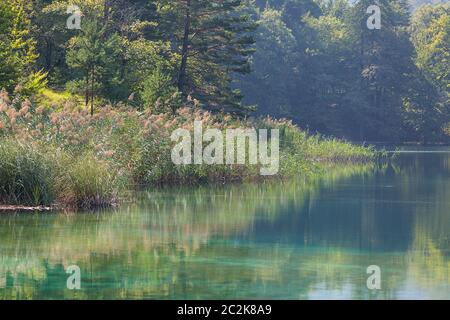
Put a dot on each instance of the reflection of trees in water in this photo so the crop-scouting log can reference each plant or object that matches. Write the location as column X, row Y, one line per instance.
column 189, row 243
column 361, row 212
column 430, row 250
column 184, row 217
column 430, row 260
column 380, row 211
column 159, row 232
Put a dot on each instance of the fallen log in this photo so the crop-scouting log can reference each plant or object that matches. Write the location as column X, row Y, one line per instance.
column 12, row 208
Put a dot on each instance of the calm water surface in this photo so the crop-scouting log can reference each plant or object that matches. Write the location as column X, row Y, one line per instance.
column 290, row 240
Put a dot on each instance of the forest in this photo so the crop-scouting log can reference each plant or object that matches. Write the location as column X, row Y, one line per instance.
column 314, row 62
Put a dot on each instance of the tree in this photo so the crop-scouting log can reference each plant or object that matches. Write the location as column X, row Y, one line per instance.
column 94, row 54
column 272, row 64
column 122, row 38
column 417, row 3
column 17, row 49
column 213, row 39
column 323, row 67
column 8, row 67
column 431, row 37
column 386, row 66
column 430, row 27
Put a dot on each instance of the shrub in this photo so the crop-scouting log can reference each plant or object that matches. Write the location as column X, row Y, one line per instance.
column 85, row 182
column 88, row 160
column 26, row 174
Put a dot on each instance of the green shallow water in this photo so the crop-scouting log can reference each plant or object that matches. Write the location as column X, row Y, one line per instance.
column 284, row 240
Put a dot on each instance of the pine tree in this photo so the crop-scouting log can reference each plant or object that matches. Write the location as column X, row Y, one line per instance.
column 213, row 39
column 430, row 27
column 94, row 55
column 18, row 49
column 385, row 66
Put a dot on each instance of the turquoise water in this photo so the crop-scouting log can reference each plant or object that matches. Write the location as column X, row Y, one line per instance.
column 283, row 240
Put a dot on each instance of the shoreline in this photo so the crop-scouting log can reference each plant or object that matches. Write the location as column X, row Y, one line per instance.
column 87, row 161
column 21, row 208
column 7, row 209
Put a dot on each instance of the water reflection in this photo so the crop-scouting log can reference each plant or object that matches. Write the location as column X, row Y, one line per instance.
column 295, row 240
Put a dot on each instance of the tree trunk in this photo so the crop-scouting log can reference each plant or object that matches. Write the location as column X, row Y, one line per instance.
column 86, row 92
column 92, row 92
column 49, row 54
column 185, row 49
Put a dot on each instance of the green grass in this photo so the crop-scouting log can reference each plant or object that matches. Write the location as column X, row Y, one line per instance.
column 85, row 182
column 49, row 97
column 26, row 174
column 63, row 155
column 34, row 175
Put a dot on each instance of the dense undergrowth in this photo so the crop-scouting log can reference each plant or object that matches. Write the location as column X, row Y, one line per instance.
column 64, row 156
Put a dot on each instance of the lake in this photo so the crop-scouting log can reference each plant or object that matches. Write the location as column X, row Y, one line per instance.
column 297, row 239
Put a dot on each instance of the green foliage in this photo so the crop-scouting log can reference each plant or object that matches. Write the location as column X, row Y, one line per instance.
column 318, row 64
column 34, row 174
column 26, row 174
column 149, row 70
column 84, row 161
column 158, row 85
column 312, row 61
column 17, row 49
column 86, row 183
column 273, row 64
column 418, row 3
column 431, row 37
column 430, row 34
column 93, row 54
column 214, row 42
